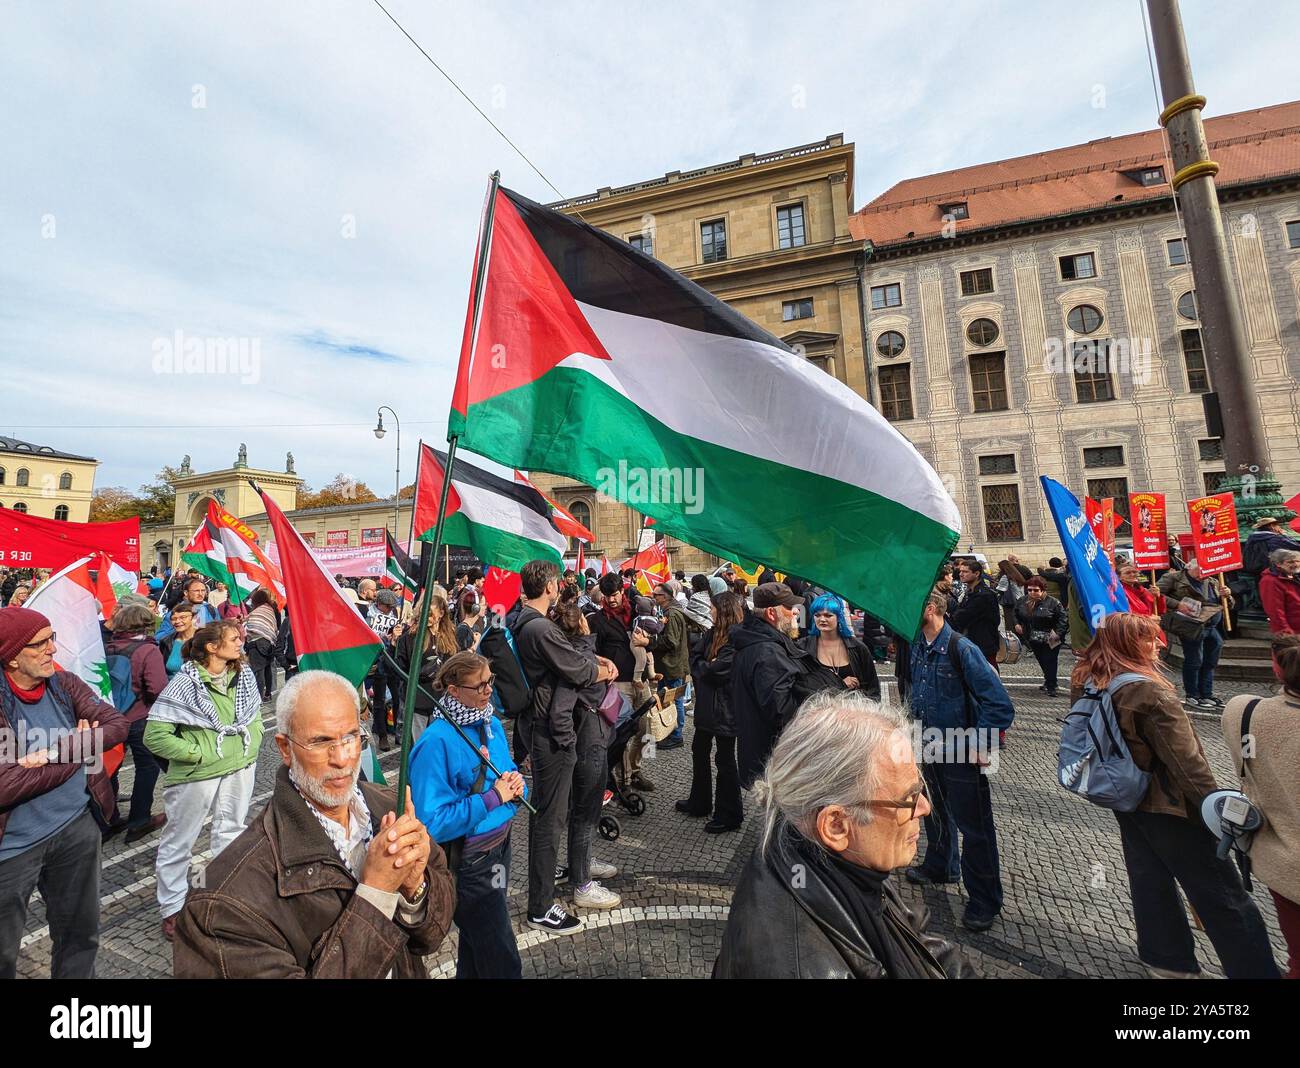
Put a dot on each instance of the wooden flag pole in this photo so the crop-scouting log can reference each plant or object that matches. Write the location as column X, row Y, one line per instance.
column 427, row 562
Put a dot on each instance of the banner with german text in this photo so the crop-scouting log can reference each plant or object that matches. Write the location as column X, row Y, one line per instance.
column 1146, row 511
column 1215, row 537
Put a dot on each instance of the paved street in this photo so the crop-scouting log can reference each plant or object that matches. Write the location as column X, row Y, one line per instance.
column 1067, row 908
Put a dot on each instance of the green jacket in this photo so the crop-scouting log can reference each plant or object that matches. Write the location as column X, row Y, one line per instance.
column 191, row 752
column 670, row 648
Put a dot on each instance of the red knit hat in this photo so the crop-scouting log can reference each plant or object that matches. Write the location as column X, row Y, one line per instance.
column 18, row 626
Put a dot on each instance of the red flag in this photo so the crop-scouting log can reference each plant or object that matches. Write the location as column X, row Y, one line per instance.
column 1294, row 505
column 653, row 559
column 605, row 569
column 580, row 558
column 31, row 541
column 501, row 589
column 328, row 632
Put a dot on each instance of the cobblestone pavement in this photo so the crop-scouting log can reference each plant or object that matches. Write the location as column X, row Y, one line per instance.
column 1067, row 911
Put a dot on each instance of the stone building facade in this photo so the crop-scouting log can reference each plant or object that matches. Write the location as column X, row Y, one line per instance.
column 1037, row 316
column 42, row 481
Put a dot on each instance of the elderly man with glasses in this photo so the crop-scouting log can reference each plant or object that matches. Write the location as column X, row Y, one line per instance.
column 841, row 802
column 55, row 795
column 329, row 882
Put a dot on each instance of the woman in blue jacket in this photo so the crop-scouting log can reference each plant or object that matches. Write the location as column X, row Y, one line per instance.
column 469, row 814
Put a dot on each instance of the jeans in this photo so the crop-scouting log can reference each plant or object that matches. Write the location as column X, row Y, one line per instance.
column 1047, row 658
column 552, row 787
column 146, row 777
column 726, row 807
column 66, row 869
column 669, row 684
column 488, row 949
column 188, row 805
column 963, row 802
column 1200, row 657
column 590, row 775
column 1162, row 853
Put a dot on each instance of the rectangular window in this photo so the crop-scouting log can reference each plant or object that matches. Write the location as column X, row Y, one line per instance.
column 998, row 465
column 642, row 243
column 1177, row 252
column 1293, row 233
column 988, row 380
column 1092, row 381
column 1081, row 266
column 1198, row 376
column 1002, row 513
column 957, row 210
column 975, row 282
column 1213, row 480
column 1104, row 456
column 789, row 226
column 890, row 296
column 1210, row 448
column 1112, row 487
column 896, row 393
column 796, row 309
column 713, row 240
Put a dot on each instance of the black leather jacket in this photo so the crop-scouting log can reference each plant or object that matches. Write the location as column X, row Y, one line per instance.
column 778, row 932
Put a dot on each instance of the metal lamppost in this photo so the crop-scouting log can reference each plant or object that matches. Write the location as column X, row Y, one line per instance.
column 397, row 487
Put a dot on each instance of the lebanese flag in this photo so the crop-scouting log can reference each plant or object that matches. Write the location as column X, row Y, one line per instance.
column 505, row 523
column 563, row 520
column 112, row 582
column 592, row 329
column 328, row 631
column 226, row 550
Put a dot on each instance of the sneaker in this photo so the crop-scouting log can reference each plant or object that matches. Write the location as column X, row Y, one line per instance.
column 556, row 921
column 595, row 896
column 1213, row 701
column 1193, row 704
column 561, row 873
column 609, row 796
column 672, row 743
column 602, row 870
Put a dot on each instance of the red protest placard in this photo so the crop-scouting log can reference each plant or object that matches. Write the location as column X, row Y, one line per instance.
column 1101, row 517
column 372, row 535
column 1146, row 511
column 1215, row 538
column 336, row 539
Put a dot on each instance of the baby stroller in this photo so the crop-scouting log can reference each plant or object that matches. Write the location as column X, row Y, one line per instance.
column 630, row 801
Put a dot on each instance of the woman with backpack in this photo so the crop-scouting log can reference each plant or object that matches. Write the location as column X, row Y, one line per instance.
column 260, row 629
column 1270, row 777
column 1166, row 844
column 1041, row 621
column 133, row 626
column 468, row 811
column 715, row 725
column 207, row 724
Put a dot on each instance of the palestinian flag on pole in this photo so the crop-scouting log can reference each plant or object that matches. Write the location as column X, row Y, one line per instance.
column 328, row 632
column 563, row 520
column 505, row 523
column 399, row 566
column 226, row 550
column 592, row 329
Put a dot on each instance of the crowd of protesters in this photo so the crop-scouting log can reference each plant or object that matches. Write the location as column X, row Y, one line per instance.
column 788, row 709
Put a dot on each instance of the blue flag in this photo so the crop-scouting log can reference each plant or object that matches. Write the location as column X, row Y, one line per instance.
column 1095, row 581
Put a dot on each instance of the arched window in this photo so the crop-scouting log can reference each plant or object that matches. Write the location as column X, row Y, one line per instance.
column 65, row 480
column 2, row 476
column 19, row 506
column 23, row 476
column 61, row 512
column 581, row 511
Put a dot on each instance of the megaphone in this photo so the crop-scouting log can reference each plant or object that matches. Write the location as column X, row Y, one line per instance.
column 1232, row 818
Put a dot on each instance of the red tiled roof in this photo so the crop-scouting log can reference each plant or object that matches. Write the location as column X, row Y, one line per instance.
column 1248, row 145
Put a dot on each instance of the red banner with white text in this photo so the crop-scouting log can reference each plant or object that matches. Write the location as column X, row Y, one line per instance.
column 30, row 541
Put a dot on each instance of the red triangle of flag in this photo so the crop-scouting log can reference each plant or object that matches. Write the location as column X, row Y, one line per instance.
column 428, row 492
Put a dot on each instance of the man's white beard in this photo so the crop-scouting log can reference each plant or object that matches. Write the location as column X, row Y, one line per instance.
column 317, row 792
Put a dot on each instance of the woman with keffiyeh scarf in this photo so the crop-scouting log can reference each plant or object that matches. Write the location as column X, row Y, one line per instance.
column 469, row 812
column 207, row 725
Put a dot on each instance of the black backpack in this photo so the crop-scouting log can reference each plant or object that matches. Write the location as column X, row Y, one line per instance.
column 511, row 690
column 1254, row 560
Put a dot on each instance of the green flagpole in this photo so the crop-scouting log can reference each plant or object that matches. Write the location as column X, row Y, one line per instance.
column 427, row 563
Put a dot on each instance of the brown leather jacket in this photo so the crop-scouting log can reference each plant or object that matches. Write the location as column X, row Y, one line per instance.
column 280, row 904
column 1162, row 741
column 18, row 784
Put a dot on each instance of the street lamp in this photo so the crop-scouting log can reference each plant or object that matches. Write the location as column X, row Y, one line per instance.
column 397, row 488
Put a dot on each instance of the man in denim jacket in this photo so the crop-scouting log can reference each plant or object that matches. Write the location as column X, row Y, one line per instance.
column 963, row 708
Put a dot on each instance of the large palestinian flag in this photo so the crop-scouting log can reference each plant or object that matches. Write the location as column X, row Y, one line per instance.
column 328, row 631
column 504, row 522
column 226, row 550
column 593, row 360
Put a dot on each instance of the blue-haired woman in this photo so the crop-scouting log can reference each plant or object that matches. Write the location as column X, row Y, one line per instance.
column 839, row 661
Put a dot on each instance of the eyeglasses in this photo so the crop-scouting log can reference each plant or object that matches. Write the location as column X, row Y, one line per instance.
column 909, row 802
column 42, row 643
column 483, row 688
column 348, row 743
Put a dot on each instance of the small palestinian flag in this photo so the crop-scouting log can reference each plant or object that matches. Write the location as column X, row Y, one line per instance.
column 505, row 523
column 328, row 631
column 594, row 328
column 399, row 566
column 226, row 550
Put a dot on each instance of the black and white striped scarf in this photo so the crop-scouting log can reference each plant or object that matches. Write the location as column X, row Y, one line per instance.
column 185, row 700
column 449, row 708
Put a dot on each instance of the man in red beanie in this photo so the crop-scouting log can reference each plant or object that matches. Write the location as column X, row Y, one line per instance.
column 54, row 730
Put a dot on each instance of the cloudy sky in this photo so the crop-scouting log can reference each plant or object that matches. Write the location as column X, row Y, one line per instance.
column 297, row 175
